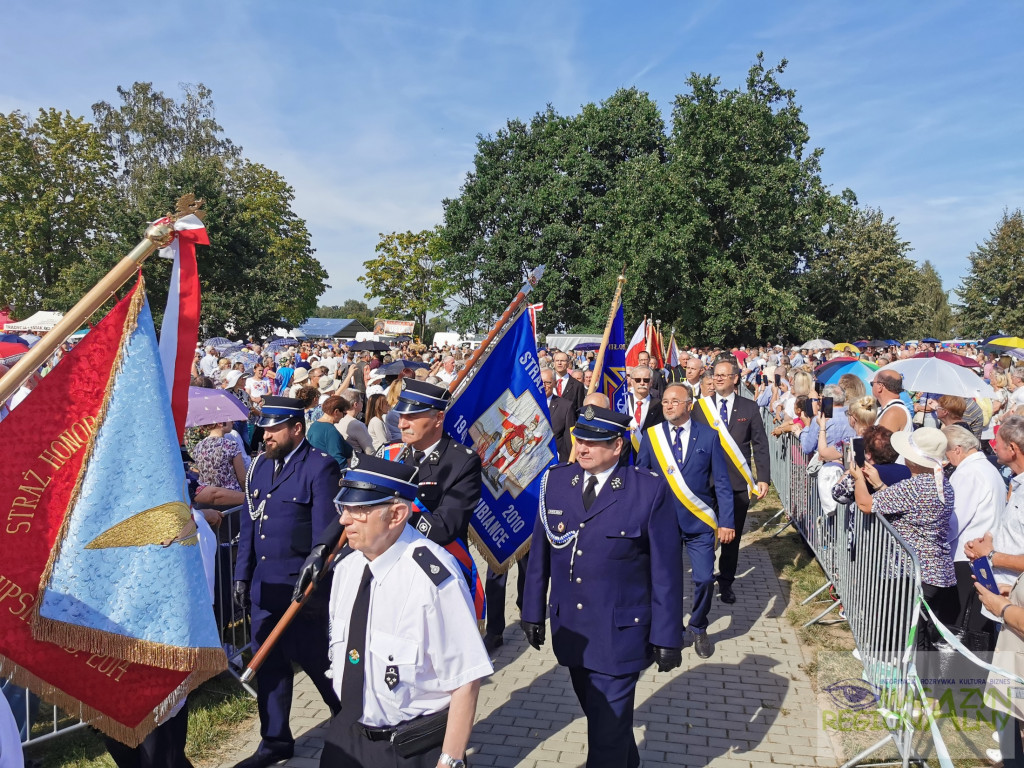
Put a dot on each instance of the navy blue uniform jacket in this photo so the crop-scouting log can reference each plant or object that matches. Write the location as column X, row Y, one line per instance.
column 299, row 506
column 622, row 590
column 705, row 471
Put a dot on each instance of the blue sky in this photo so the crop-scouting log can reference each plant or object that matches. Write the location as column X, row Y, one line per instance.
column 371, row 109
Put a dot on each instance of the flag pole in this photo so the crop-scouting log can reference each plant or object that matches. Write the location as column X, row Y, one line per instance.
column 510, row 311
column 599, row 361
column 158, row 235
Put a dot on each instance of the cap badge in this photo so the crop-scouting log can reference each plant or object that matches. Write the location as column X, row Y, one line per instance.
column 405, row 385
column 616, row 483
column 588, row 414
column 575, row 480
column 354, row 461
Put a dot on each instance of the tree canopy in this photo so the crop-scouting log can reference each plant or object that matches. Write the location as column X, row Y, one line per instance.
column 991, row 292
column 75, row 196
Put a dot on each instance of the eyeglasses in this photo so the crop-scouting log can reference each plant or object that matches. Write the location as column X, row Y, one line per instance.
column 360, row 514
column 677, row 403
column 722, row 375
column 641, row 381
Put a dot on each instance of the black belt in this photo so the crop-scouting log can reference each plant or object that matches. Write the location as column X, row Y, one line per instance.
column 378, row 734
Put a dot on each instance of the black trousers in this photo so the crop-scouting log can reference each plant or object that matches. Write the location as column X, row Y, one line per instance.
column 164, row 747
column 347, row 746
column 730, row 553
column 494, row 591
column 607, row 702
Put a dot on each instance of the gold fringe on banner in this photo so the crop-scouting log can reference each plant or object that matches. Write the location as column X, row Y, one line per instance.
column 128, row 735
column 211, row 660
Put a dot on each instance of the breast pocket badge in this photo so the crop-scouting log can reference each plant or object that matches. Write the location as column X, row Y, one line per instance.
column 391, row 677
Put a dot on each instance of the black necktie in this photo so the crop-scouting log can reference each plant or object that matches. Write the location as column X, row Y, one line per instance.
column 590, row 492
column 355, row 657
column 417, row 457
column 278, row 466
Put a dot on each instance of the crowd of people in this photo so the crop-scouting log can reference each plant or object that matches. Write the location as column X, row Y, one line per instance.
column 397, row 657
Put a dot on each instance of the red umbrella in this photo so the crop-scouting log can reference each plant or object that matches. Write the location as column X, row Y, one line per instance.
column 951, row 357
column 8, row 348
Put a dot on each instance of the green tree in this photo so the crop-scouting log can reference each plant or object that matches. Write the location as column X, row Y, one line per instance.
column 350, row 309
column 935, row 312
column 556, row 191
column 55, row 194
column 407, row 276
column 749, row 212
column 991, row 292
column 863, row 285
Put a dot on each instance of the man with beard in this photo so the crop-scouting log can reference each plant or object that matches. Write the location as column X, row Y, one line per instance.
column 290, row 491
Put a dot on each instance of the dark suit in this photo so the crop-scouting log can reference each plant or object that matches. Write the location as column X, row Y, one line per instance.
column 563, row 418
column 297, row 506
column 657, row 383
column 706, row 472
column 747, row 430
column 616, row 590
column 573, row 391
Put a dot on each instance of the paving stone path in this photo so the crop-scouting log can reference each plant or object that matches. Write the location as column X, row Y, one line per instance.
column 751, row 704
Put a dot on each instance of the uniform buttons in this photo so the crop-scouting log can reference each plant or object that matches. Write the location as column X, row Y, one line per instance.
column 263, row 557
column 268, row 495
column 579, row 606
column 263, row 535
column 579, row 551
column 636, row 621
column 266, row 517
column 579, row 580
column 294, row 499
column 583, row 525
column 622, row 533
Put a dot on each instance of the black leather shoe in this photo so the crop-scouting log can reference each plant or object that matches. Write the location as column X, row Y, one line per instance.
column 726, row 593
column 493, row 642
column 702, row 644
column 264, row 759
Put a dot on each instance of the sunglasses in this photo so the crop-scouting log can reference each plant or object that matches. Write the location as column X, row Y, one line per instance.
column 641, row 381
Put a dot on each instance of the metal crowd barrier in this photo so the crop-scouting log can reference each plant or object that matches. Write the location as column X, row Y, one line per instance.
column 875, row 577
column 232, row 622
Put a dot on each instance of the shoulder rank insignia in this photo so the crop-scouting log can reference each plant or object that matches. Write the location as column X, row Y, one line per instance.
column 575, row 480
column 616, row 483
column 431, row 566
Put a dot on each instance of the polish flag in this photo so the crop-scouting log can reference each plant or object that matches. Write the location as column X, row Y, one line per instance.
column 179, row 333
column 637, row 345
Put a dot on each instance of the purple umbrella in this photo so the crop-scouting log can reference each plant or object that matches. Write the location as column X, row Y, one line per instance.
column 212, row 406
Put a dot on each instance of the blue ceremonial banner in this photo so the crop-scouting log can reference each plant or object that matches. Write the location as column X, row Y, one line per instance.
column 502, row 414
column 126, row 577
column 613, row 375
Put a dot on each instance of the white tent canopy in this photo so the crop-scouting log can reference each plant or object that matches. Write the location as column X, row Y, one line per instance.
column 40, row 322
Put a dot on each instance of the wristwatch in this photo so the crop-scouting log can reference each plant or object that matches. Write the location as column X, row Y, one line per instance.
column 451, row 762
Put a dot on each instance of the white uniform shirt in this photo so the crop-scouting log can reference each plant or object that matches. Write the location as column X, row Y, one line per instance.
column 730, row 403
column 979, row 496
column 428, row 632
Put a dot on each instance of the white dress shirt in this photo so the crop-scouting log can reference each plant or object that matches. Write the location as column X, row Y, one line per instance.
column 428, row 632
column 684, row 436
column 602, row 478
column 645, row 408
column 979, row 497
column 565, row 384
column 730, row 401
column 1008, row 536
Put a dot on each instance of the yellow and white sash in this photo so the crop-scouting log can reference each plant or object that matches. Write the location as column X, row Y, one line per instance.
column 662, row 449
column 732, row 450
